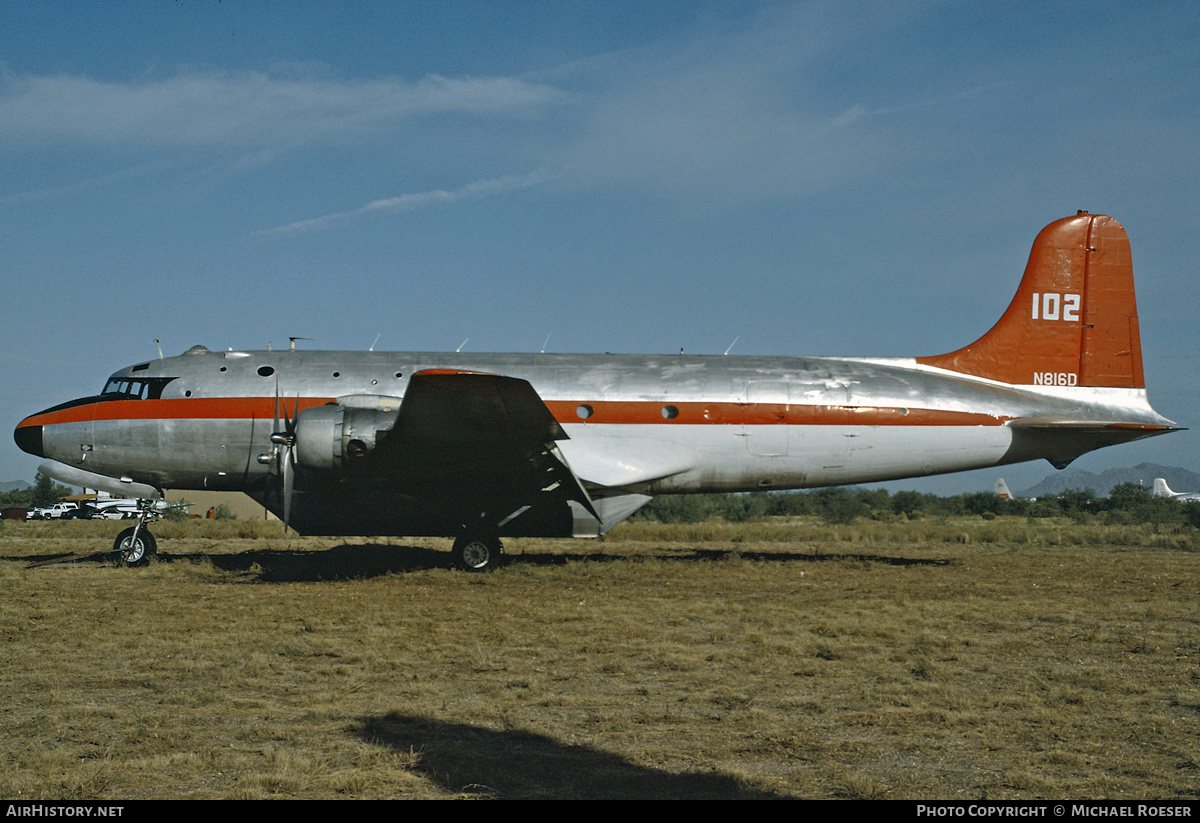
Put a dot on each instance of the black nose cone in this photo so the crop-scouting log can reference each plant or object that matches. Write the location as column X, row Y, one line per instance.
column 29, row 438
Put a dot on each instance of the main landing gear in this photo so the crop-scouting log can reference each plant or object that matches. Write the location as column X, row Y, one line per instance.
column 478, row 552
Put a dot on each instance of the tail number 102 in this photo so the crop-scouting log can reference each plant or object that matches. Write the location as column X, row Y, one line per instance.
column 1051, row 306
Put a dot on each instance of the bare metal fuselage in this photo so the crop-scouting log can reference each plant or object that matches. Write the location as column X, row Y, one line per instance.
column 637, row 425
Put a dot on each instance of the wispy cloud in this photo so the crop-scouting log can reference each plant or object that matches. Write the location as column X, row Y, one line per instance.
column 732, row 114
column 405, row 203
column 723, row 115
column 241, row 109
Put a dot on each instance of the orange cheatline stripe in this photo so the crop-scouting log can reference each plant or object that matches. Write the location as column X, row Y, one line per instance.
column 618, row 412
column 193, row 408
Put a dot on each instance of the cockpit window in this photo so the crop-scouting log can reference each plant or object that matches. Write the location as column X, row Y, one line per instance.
column 144, row 388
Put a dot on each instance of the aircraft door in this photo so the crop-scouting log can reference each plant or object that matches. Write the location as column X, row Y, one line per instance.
column 766, row 428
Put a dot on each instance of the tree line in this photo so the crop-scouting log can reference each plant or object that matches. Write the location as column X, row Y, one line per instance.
column 44, row 492
column 1126, row 503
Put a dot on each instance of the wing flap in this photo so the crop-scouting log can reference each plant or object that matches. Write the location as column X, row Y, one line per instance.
column 627, row 462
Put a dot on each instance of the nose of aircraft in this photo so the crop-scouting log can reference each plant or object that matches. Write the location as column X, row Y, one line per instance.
column 29, row 438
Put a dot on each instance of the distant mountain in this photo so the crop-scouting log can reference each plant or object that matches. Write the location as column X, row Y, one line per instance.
column 13, row 485
column 1178, row 479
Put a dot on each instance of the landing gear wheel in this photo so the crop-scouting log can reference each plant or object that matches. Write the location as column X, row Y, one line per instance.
column 478, row 554
column 135, row 552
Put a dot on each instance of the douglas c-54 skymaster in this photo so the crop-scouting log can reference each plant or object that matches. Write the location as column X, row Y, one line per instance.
column 480, row 446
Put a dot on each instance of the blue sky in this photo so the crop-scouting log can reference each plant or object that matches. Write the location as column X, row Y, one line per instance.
column 804, row 178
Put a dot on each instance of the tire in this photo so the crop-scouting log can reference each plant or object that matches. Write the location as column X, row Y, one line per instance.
column 473, row 553
column 135, row 553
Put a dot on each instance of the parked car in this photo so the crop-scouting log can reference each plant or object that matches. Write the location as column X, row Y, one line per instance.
column 84, row 512
column 53, row 512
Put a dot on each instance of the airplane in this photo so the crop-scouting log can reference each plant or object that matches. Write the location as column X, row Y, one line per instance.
column 479, row 447
column 1002, row 489
column 1161, row 489
column 121, row 509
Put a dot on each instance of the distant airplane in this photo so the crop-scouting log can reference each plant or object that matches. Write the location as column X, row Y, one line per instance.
column 1161, row 489
column 1002, row 489
column 481, row 446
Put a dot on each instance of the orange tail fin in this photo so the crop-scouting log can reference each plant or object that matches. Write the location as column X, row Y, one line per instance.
column 1074, row 319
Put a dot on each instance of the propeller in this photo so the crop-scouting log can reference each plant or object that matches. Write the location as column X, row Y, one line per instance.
column 283, row 457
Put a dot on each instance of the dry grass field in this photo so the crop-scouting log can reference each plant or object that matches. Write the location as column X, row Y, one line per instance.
column 964, row 659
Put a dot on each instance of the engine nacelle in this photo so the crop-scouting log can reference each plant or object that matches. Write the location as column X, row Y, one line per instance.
column 337, row 436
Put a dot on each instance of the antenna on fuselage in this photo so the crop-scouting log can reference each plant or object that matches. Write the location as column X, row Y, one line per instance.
column 731, row 345
column 292, row 342
column 160, row 357
column 460, row 345
column 546, row 341
column 373, row 342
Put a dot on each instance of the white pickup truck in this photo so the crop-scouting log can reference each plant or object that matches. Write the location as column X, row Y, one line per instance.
column 53, row 512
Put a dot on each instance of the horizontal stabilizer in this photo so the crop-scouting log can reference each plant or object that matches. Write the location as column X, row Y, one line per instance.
column 1053, row 422
column 1061, row 439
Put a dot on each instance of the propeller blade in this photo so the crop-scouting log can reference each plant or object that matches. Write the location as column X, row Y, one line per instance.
column 288, row 483
column 284, row 464
column 276, row 424
column 288, row 422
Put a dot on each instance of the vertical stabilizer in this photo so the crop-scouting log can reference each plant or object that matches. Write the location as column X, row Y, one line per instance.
column 1073, row 321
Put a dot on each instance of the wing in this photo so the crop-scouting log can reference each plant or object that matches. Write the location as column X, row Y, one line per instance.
column 477, row 436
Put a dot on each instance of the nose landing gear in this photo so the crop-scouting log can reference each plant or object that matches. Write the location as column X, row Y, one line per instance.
column 136, row 544
column 135, row 548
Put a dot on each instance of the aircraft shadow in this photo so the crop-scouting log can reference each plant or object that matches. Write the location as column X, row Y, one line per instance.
column 514, row 764
column 780, row 557
column 702, row 555
column 359, row 561
column 367, row 560
column 356, row 561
